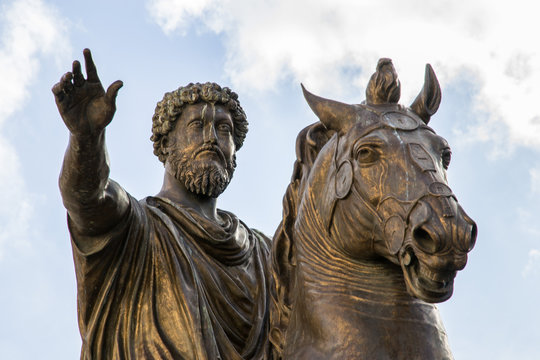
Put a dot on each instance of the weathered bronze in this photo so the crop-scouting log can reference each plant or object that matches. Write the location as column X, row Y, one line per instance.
column 371, row 233
column 170, row 276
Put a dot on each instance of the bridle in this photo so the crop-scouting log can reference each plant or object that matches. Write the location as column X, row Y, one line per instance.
column 395, row 226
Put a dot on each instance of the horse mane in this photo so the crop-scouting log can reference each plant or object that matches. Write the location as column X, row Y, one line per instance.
column 309, row 143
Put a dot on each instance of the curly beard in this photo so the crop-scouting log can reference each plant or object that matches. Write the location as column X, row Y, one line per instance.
column 199, row 176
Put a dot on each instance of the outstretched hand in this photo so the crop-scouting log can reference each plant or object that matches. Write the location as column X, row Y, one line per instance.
column 83, row 103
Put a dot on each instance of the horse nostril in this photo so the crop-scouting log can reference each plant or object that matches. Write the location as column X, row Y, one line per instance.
column 424, row 240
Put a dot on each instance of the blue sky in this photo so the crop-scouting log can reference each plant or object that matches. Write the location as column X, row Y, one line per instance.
column 485, row 55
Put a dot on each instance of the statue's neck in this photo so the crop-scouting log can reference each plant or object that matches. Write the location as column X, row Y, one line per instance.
column 326, row 275
column 325, row 256
column 373, row 280
column 177, row 192
column 349, row 308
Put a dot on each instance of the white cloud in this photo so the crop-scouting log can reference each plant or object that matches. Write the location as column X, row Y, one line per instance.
column 491, row 45
column 30, row 29
column 535, row 180
column 533, row 264
column 175, row 14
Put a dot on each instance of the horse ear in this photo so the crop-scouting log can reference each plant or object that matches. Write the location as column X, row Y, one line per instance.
column 334, row 115
column 429, row 99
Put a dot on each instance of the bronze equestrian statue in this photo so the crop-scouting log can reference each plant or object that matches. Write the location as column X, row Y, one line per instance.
column 371, row 234
column 169, row 276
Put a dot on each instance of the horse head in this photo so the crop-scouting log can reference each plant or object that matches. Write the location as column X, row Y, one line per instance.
column 379, row 184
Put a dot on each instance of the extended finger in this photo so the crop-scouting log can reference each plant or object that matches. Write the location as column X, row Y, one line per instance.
column 91, row 71
column 78, row 78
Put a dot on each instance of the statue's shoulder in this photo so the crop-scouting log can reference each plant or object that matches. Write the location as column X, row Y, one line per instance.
column 262, row 238
column 254, row 232
column 151, row 201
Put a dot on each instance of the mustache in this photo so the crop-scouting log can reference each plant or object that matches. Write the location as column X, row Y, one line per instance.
column 210, row 147
column 202, row 148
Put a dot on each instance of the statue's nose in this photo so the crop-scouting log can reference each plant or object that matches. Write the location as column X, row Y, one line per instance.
column 467, row 232
column 433, row 232
column 209, row 133
column 424, row 235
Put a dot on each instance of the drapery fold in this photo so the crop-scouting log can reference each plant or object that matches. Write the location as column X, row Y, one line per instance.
column 167, row 283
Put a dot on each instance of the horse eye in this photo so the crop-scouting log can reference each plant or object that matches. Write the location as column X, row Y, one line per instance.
column 446, row 157
column 366, row 154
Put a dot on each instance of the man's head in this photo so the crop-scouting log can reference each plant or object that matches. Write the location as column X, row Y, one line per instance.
column 196, row 131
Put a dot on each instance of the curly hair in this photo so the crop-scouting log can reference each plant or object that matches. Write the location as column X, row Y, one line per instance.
column 170, row 108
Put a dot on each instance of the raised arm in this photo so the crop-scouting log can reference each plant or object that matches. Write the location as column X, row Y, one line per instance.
column 93, row 201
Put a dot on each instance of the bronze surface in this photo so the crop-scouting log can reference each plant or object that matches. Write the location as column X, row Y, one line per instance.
column 169, row 276
column 371, row 234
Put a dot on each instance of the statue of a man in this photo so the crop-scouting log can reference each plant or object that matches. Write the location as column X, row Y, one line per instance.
column 170, row 276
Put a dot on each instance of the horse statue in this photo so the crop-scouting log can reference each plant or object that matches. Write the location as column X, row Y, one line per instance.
column 371, row 234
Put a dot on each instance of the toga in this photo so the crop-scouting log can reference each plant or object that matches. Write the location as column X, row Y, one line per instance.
column 167, row 283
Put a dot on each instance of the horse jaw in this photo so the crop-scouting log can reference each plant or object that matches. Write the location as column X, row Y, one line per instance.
column 421, row 282
column 434, row 249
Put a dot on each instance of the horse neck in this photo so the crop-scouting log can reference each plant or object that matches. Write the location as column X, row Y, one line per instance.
column 343, row 306
column 325, row 269
column 325, row 275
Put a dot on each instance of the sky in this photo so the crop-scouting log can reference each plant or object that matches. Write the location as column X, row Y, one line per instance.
column 486, row 55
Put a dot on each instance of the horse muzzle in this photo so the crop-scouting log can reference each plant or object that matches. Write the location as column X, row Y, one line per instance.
column 438, row 236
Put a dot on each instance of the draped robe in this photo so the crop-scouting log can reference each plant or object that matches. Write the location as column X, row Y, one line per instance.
column 167, row 283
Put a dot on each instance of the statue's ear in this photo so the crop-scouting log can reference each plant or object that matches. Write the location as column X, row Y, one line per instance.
column 427, row 102
column 162, row 151
column 335, row 115
column 164, row 142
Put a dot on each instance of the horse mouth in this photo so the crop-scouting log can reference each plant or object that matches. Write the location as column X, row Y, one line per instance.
column 424, row 283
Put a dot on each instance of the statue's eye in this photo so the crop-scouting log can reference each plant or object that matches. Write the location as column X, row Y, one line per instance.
column 224, row 127
column 366, row 154
column 446, row 157
column 196, row 123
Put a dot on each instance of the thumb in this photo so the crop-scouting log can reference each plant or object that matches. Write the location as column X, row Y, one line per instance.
column 112, row 90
